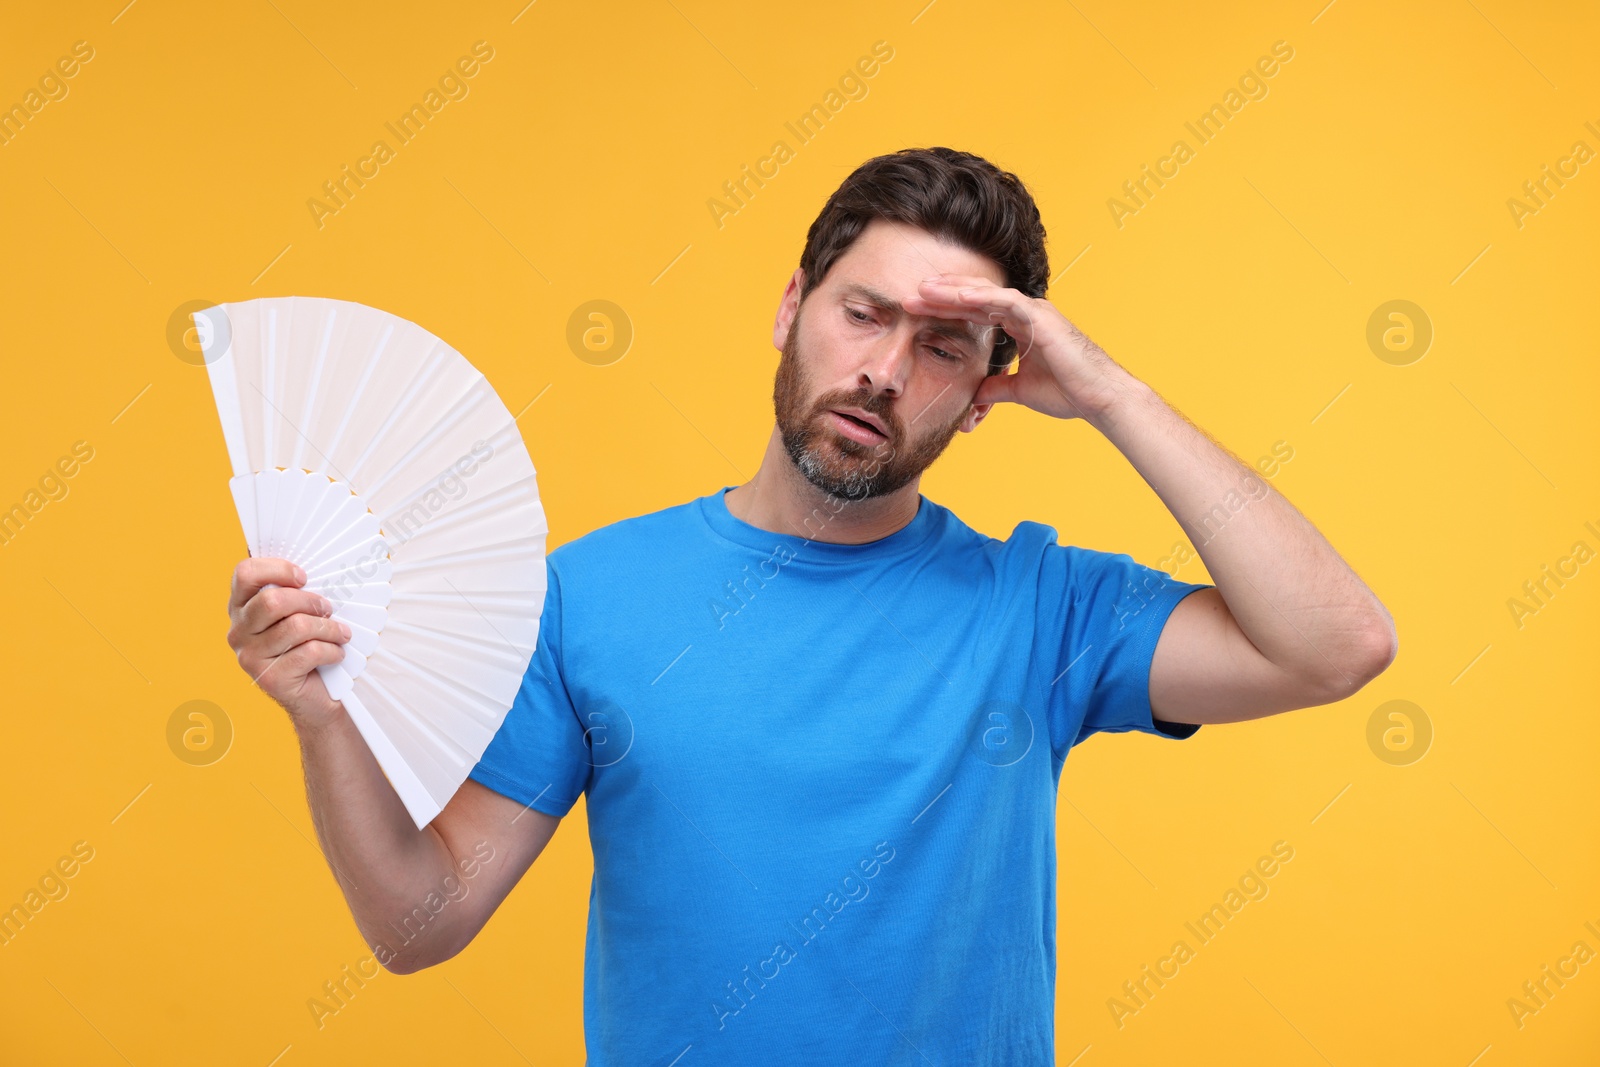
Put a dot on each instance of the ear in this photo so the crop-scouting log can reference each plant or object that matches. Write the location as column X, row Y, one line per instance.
column 974, row 415
column 788, row 306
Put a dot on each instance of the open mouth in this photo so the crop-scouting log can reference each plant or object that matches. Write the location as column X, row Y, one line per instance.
column 857, row 427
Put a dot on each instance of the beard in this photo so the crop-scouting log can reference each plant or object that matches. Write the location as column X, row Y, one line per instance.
column 834, row 463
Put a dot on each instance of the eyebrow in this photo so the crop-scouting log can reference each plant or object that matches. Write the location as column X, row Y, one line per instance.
column 958, row 330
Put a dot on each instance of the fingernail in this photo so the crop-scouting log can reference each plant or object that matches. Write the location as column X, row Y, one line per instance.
column 326, row 605
column 299, row 574
column 344, row 628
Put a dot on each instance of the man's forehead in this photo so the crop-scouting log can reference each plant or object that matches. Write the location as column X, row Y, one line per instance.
column 872, row 294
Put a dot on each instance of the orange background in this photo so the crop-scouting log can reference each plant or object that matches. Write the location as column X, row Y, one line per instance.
column 178, row 167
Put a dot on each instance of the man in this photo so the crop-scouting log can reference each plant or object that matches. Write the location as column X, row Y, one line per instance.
column 819, row 721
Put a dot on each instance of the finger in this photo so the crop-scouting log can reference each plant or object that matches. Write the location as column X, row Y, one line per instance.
column 251, row 574
column 300, row 661
column 948, row 306
column 991, row 307
column 285, row 634
column 982, row 296
column 961, row 280
column 978, row 300
column 1004, row 308
column 996, row 389
column 274, row 604
column 965, row 287
column 942, row 309
column 311, row 654
column 952, row 295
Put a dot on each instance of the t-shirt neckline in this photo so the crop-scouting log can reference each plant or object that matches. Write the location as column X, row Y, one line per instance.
column 713, row 508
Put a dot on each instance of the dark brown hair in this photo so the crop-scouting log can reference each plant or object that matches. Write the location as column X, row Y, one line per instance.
column 951, row 194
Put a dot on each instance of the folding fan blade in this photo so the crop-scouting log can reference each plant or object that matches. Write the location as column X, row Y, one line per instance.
column 375, row 456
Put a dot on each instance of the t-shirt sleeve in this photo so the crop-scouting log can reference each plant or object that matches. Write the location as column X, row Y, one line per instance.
column 539, row 756
column 1101, row 614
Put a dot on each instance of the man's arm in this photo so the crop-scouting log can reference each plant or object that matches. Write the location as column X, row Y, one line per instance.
column 1289, row 624
column 417, row 896
column 393, row 875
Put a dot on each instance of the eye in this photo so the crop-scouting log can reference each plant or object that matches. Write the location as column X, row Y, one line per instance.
column 857, row 316
column 942, row 354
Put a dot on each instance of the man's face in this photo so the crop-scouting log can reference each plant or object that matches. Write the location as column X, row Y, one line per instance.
column 854, row 348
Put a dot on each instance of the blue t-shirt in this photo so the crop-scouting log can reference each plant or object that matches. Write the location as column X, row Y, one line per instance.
column 822, row 777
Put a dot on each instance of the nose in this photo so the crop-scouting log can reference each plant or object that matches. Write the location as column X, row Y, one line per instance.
column 889, row 363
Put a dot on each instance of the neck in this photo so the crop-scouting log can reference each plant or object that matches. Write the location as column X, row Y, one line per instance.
column 780, row 499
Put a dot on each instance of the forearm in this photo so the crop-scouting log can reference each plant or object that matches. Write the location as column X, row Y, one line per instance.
column 383, row 863
column 1286, row 587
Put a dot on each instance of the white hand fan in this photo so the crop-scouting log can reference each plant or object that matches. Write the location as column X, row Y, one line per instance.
column 376, row 457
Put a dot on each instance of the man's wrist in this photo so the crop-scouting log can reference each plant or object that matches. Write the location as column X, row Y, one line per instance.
column 313, row 726
column 1126, row 398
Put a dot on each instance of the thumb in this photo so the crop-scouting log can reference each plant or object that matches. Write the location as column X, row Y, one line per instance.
column 995, row 389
